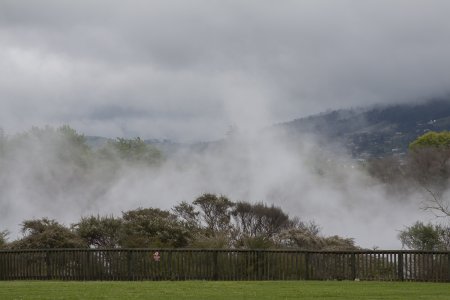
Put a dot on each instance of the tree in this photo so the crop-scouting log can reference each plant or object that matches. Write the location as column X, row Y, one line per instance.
column 432, row 139
column 47, row 234
column 215, row 212
column 187, row 214
column 309, row 239
column 56, row 164
column 429, row 165
column 153, row 227
column 201, row 240
column 73, row 148
column 427, row 237
column 3, row 238
column 246, row 224
column 100, row 232
column 134, row 151
column 257, row 224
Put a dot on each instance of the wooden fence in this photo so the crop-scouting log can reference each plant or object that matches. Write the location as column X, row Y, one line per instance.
column 195, row 264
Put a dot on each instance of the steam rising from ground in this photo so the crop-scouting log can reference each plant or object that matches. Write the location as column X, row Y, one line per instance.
column 43, row 178
column 185, row 70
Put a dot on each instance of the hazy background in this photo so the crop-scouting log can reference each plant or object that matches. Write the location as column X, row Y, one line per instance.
column 188, row 70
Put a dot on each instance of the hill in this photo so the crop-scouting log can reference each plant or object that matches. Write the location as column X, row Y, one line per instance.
column 378, row 131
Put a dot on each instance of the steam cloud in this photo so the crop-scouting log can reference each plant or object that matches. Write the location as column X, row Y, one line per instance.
column 305, row 180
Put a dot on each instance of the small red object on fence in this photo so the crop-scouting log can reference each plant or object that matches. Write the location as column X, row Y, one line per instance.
column 156, row 256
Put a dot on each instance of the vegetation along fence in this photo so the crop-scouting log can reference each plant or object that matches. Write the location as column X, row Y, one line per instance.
column 190, row 264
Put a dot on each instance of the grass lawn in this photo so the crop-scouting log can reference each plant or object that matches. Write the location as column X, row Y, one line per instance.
column 222, row 290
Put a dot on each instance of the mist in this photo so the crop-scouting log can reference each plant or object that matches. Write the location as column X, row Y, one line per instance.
column 43, row 178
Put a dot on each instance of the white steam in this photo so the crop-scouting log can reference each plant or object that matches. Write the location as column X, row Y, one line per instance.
column 305, row 180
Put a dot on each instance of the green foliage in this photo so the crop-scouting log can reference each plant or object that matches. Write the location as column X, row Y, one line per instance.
column 73, row 147
column 47, row 234
column 56, row 163
column 134, row 151
column 221, row 240
column 152, row 227
column 307, row 238
column 64, row 142
column 257, row 242
column 100, row 232
column 335, row 243
column 259, row 220
column 188, row 215
column 428, row 237
column 215, row 212
column 432, row 139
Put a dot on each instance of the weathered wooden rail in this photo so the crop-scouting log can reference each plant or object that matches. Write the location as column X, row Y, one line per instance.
column 199, row 264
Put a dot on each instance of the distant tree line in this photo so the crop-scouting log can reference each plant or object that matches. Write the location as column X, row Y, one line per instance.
column 68, row 146
column 210, row 221
column 56, row 166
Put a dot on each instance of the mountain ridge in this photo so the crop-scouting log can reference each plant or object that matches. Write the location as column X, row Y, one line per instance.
column 378, row 131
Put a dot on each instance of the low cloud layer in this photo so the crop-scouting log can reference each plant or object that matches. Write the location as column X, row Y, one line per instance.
column 187, row 70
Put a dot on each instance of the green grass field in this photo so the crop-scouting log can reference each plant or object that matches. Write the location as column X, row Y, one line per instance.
column 223, row 290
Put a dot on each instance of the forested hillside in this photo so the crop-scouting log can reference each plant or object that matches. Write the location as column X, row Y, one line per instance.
column 376, row 132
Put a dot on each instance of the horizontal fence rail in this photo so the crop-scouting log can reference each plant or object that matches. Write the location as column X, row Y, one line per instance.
column 199, row 264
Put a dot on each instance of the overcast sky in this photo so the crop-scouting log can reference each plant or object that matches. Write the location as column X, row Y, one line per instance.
column 187, row 70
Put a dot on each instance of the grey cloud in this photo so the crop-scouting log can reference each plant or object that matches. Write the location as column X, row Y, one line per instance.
column 302, row 57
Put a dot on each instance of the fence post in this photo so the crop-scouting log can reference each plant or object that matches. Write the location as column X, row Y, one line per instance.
column 48, row 264
column 258, row 265
column 307, row 266
column 215, row 265
column 129, row 270
column 448, row 266
column 400, row 266
column 169, row 266
column 2, row 266
column 353, row 262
